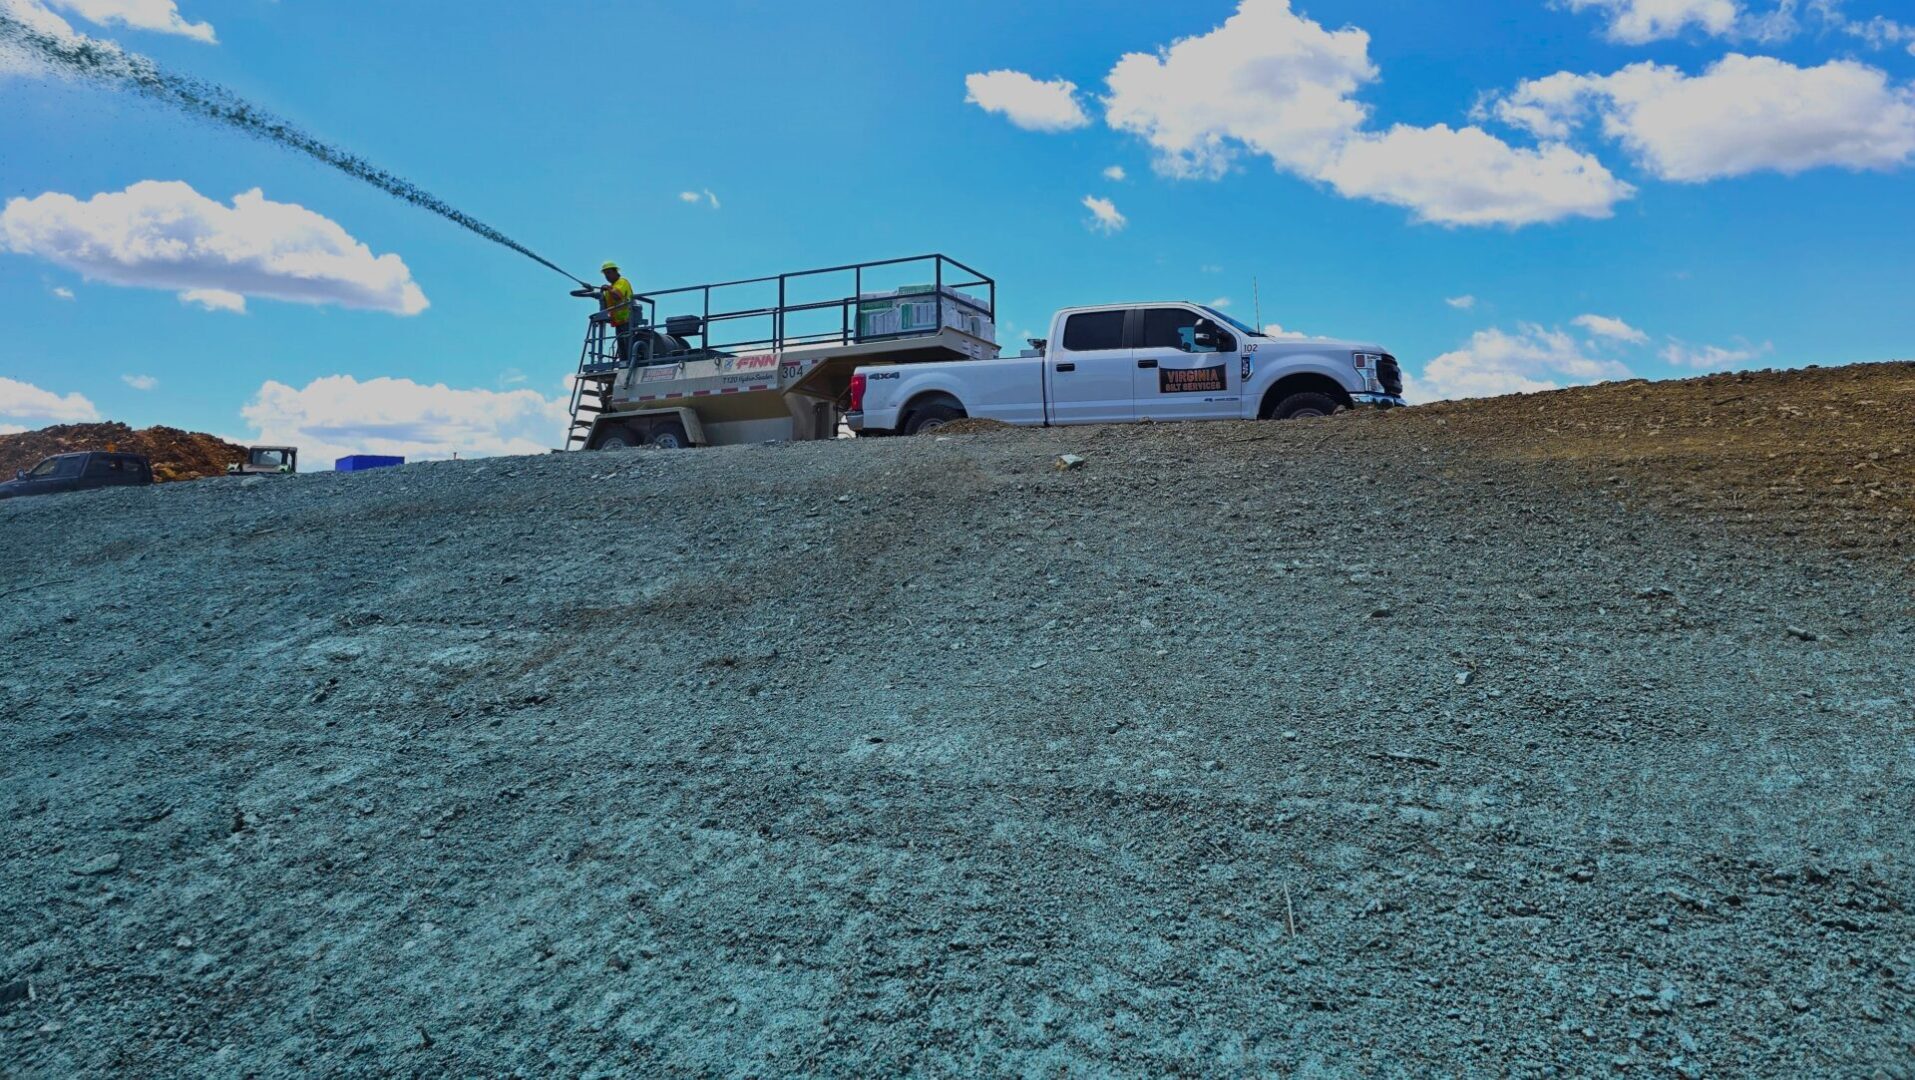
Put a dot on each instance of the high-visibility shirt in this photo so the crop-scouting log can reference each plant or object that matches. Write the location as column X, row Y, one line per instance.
column 617, row 299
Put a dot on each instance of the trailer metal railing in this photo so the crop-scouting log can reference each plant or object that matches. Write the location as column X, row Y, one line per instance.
column 700, row 320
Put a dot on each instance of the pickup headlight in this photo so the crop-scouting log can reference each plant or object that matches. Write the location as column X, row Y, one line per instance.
column 1369, row 364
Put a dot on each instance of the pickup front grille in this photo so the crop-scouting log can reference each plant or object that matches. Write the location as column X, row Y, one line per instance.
column 1390, row 375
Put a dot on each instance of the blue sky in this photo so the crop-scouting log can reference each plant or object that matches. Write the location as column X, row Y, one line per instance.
column 1509, row 195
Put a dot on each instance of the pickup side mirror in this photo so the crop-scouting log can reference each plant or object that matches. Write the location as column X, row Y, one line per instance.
column 19, row 474
column 1204, row 336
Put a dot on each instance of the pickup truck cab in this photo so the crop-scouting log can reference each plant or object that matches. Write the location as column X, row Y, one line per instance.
column 1130, row 362
column 79, row 472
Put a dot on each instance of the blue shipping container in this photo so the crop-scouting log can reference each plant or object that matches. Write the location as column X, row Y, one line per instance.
column 362, row 462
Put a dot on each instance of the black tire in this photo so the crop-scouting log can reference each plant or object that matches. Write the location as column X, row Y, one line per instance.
column 619, row 439
column 670, row 435
column 1304, row 406
column 932, row 416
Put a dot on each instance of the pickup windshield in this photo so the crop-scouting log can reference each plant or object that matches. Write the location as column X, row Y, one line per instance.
column 1220, row 316
column 57, row 466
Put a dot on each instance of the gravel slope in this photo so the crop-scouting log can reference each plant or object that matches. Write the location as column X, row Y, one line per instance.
column 1380, row 745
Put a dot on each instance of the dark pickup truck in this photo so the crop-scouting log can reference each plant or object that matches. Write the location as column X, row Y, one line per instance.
column 79, row 472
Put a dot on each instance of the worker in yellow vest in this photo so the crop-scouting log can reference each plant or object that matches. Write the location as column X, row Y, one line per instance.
column 615, row 300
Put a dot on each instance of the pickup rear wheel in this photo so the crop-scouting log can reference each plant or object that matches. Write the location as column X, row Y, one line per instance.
column 932, row 416
column 1303, row 406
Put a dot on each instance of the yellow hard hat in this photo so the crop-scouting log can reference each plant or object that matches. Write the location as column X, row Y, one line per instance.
column 609, row 266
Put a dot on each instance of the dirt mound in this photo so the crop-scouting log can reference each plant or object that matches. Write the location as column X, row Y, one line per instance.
column 1821, row 452
column 1562, row 735
column 176, row 454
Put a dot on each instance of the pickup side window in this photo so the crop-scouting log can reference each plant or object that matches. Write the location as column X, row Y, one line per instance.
column 1094, row 330
column 1176, row 328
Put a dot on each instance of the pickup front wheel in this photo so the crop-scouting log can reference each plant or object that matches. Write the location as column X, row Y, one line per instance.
column 1303, row 406
column 931, row 416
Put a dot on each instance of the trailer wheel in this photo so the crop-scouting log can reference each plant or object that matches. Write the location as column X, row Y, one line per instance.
column 670, row 435
column 1303, row 406
column 932, row 416
column 619, row 438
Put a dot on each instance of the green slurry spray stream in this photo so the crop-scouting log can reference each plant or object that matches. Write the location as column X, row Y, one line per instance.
column 99, row 62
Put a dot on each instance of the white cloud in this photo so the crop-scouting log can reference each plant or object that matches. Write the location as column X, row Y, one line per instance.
column 1116, row 174
column 1271, row 82
column 160, row 16
column 141, row 382
column 713, row 200
column 1711, row 357
column 12, row 429
column 165, row 235
column 1636, row 22
column 25, row 401
column 1266, row 80
column 36, row 16
column 694, row 198
column 1613, row 329
column 215, row 300
column 1461, row 303
column 1744, row 114
column 1026, row 102
column 1879, row 32
column 1277, row 331
column 339, row 415
column 1497, row 362
column 15, row 60
column 1104, row 215
column 63, row 292
column 1221, row 303
column 689, row 197
column 1467, row 176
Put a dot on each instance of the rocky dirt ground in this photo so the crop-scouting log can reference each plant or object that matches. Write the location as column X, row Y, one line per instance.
column 175, row 454
column 1561, row 735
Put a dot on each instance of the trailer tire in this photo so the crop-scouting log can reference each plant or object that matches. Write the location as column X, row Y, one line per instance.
column 1304, row 406
column 619, row 438
column 670, row 435
column 931, row 416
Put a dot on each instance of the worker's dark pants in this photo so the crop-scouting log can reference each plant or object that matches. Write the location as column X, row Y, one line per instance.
column 624, row 335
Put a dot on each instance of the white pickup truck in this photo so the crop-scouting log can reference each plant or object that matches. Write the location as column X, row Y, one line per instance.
column 1102, row 365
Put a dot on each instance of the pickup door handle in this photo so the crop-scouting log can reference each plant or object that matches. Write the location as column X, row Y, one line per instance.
column 1067, row 367
column 1146, row 363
